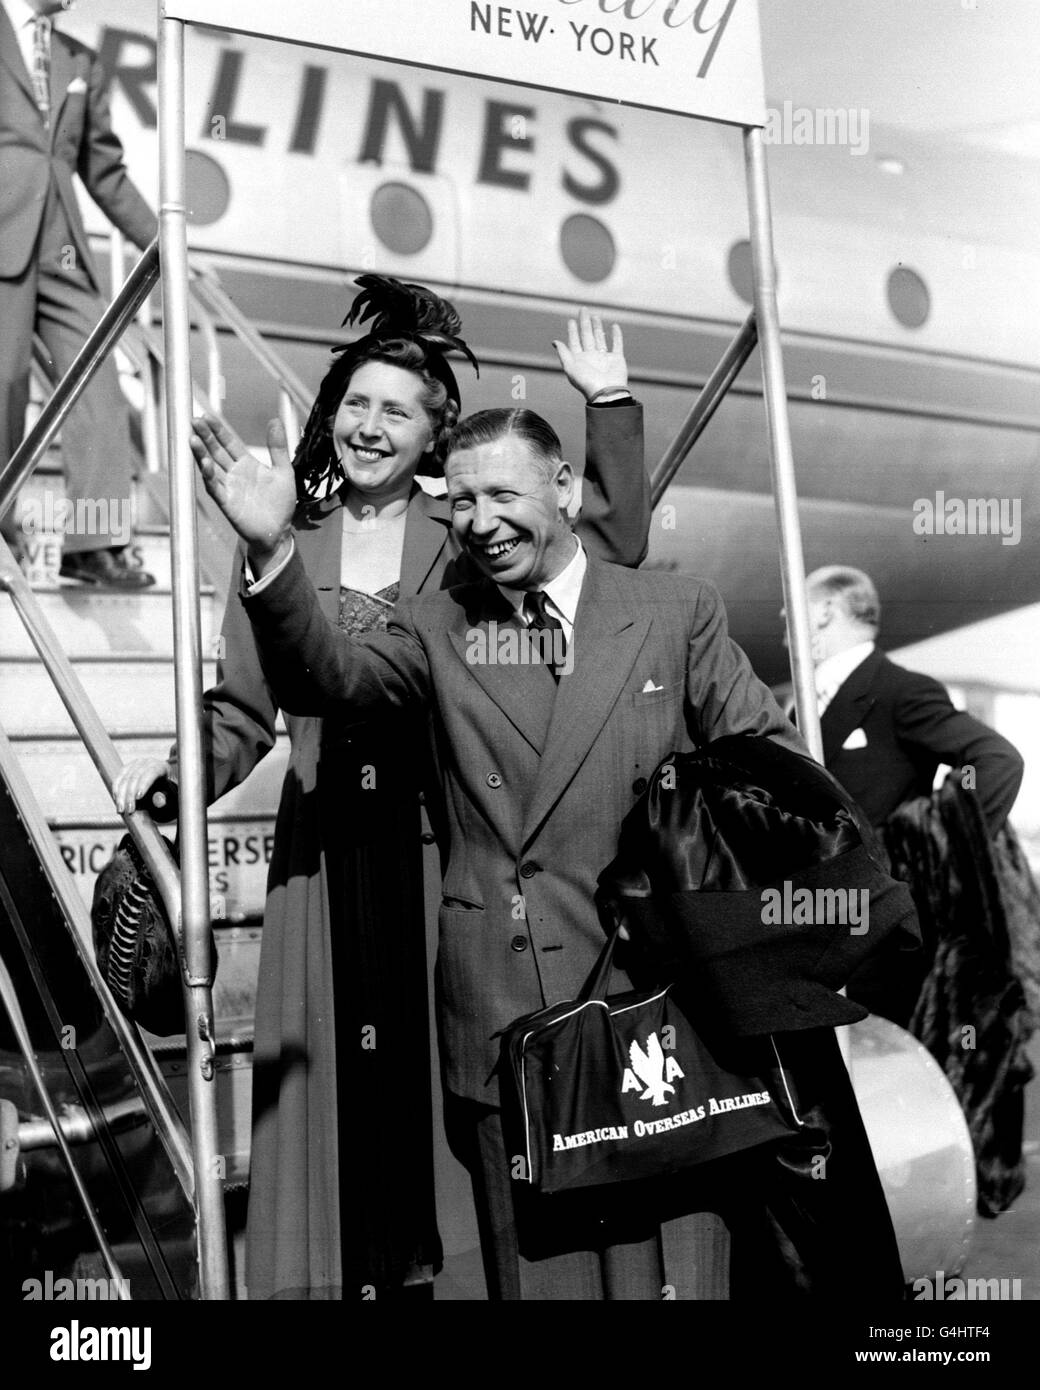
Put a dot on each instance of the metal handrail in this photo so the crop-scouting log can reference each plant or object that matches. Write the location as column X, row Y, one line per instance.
column 188, row 905
column 214, row 370
column 212, row 306
column 185, row 904
column 206, row 287
column 704, row 407
column 21, row 1032
column 153, row 1087
column 88, row 725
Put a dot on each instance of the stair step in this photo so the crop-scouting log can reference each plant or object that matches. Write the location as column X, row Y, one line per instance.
column 70, row 791
column 239, row 853
column 90, row 622
column 131, row 696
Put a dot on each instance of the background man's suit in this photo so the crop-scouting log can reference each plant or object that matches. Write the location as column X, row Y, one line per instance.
column 47, row 277
column 537, row 780
column 909, row 726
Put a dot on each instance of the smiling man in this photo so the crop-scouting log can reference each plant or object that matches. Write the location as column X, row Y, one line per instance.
column 539, row 769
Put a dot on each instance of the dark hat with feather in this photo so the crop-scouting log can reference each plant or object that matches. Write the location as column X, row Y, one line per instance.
column 395, row 311
column 402, row 310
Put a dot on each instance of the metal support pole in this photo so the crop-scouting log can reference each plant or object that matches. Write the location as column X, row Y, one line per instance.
column 116, row 260
column 151, row 408
column 214, row 370
column 781, row 458
column 704, row 407
column 212, row 1235
column 290, row 420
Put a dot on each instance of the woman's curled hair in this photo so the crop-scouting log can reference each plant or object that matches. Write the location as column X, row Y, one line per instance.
column 412, row 329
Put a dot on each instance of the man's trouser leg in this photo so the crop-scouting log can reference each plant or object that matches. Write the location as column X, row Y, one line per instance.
column 636, row 1241
column 17, row 312
column 95, row 438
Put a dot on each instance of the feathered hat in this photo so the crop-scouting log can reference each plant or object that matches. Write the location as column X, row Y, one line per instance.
column 402, row 310
column 394, row 310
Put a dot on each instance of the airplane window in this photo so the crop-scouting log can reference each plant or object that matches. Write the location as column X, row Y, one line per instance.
column 741, row 276
column 908, row 297
column 209, row 190
column 401, row 218
column 587, row 248
column 738, row 267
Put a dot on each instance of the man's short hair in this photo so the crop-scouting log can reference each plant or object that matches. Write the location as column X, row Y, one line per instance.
column 855, row 589
column 489, row 426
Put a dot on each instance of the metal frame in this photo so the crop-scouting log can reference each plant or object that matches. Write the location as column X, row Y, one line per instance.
column 185, row 895
column 176, row 295
column 21, row 1032
column 153, row 1089
column 704, row 407
column 781, row 456
column 195, row 916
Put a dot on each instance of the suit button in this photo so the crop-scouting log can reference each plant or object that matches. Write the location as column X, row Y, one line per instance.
column 428, row 837
column 519, row 943
column 639, row 786
column 529, row 869
column 493, row 779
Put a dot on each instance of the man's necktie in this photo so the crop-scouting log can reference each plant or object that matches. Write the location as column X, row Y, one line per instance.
column 544, row 621
column 41, row 69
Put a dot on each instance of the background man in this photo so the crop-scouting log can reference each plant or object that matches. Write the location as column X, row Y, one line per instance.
column 885, row 732
column 54, row 122
column 540, row 766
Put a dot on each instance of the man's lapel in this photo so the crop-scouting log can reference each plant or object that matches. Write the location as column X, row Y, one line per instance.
column 426, row 532
column 850, row 706
column 11, row 55
column 608, row 634
column 524, row 693
column 63, row 70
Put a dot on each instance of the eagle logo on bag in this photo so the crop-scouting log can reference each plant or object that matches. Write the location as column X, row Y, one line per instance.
column 653, row 1069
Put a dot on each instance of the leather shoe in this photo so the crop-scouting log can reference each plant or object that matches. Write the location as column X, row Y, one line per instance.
column 106, row 569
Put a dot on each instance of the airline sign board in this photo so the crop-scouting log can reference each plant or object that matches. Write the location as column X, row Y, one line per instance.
column 691, row 57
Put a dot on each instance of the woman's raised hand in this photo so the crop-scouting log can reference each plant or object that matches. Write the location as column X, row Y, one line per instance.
column 588, row 363
column 258, row 498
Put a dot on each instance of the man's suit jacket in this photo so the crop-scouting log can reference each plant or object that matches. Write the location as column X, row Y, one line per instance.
column 80, row 140
column 240, row 710
column 537, row 778
column 911, row 727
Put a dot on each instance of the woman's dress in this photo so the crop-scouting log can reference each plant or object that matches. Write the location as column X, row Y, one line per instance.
column 370, row 818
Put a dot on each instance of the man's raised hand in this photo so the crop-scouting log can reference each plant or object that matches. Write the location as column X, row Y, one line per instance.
column 588, row 363
column 258, row 498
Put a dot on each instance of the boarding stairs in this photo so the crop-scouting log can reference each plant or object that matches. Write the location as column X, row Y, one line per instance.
column 63, row 828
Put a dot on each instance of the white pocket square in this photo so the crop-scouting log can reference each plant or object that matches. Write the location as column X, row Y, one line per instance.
column 649, row 688
column 857, row 739
column 76, row 85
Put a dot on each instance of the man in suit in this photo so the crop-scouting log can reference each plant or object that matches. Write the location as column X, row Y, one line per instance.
column 885, row 732
column 540, row 762
column 54, row 122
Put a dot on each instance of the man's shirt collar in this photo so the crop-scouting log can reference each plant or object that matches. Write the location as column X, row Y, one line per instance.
column 562, row 593
column 832, row 673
